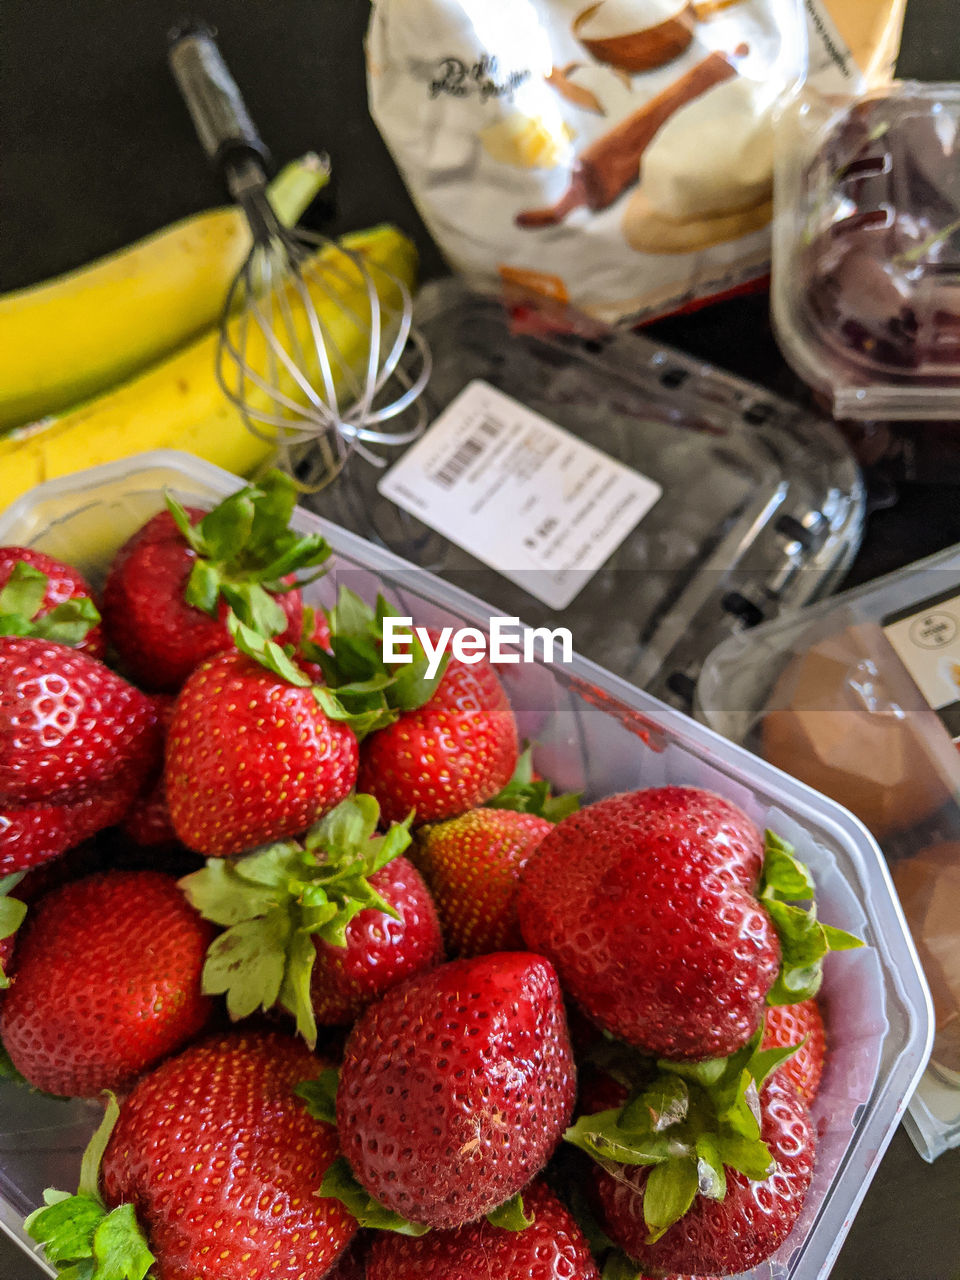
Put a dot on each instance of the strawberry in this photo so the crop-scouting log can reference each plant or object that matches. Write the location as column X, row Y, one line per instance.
column 171, row 586
column 321, row 928
column 798, row 1024
column 68, row 724
column 43, row 597
column 251, row 758
column 703, row 1168
column 447, row 756
column 472, row 864
column 646, row 903
column 108, row 982
column 147, row 822
column 552, row 1248
column 380, row 950
column 33, row 834
column 455, row 1088
column 209, row 1173
column 626, row 880
column 723, row 1236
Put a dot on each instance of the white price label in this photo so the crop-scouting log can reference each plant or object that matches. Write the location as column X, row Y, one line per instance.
column 523, row 495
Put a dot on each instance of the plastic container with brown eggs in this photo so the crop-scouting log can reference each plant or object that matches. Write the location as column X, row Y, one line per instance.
column 859, row 697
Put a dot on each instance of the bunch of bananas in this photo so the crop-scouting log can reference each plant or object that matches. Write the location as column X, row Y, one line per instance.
column 118, row 357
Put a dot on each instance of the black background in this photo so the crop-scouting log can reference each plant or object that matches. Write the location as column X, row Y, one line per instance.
column 96, row 150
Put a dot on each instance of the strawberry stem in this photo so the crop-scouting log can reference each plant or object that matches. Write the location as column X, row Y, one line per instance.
column 804, row 941
column 690, row 1123
column 245, row 548
column 274, row 901
column 21, row 600
column 80, row 1236
column 526, row 794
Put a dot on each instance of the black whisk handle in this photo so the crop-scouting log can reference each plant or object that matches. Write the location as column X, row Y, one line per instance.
column 216, row 107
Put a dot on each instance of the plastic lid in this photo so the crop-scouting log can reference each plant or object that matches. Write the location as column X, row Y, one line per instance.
column 866, row 288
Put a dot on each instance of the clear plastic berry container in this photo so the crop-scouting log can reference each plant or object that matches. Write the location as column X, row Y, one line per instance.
column 860, row 696
column 596, row 733
column 865, row 288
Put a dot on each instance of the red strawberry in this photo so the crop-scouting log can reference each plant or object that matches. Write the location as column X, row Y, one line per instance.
column 223, row 1161
column 472, row 864
column 32, row 834
column 62, row 585
column 552, row 1248
column 148, row 820
column 68, row 724
column 108, row 982
column 171, row 585
column 380, row 950
column 644, row 902
column 447, row 756
column 319, row 927
column 725, row 1236
column 789, row 1024
column 456, row 1087
column 251, row 758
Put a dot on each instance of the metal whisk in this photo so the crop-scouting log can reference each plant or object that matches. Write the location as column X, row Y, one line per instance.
column 345, row 374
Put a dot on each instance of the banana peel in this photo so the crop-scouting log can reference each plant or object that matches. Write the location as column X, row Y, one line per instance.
column 179, row 404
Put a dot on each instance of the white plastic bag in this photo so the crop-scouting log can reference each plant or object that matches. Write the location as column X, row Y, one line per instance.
column 617, row 154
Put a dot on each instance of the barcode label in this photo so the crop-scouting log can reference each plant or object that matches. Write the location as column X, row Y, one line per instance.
column 528, row 498
column 467, row 451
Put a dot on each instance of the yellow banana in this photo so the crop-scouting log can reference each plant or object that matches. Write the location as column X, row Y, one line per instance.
column 70, row 338
column 178, row 404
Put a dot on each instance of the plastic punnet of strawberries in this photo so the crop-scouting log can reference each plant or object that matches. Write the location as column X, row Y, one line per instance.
column 361, row 996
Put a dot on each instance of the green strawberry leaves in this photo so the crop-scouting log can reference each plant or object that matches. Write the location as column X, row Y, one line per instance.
column 356, row 657
column 273, row 902
column 80, row 1236
column 340, row 1184
column 21, row 599
column 511, row 1215
column 360, row 705
column 804, row 941
column 245, row 548
column 12, row 913
column 320, row 1095
column 524, row 794
column 690, row 1123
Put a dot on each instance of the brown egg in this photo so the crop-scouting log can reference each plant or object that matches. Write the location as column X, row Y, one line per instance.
column 929, row 889
column 845, row 718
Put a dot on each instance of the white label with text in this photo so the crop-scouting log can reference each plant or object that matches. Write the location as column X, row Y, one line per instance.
column 523, row 495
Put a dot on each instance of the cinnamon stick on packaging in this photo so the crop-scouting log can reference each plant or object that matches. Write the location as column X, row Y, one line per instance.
column 611, row 164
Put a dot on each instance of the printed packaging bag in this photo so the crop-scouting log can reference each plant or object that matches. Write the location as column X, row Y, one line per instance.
column 615, row 154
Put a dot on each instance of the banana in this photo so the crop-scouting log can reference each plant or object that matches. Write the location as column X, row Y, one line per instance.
column 178, row 404
column 70, row 338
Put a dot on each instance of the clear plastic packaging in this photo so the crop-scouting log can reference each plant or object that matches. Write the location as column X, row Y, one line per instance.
column 859, row 696
column 865, row 288
column 761, row 506
column 595, row 732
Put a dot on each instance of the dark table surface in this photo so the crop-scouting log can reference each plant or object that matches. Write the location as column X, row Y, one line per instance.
column 97, row 150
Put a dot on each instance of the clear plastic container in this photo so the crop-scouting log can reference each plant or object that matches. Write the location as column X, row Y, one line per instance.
column 860, row 697
column 865, row 288
column 595, row 732
column 761, row 508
